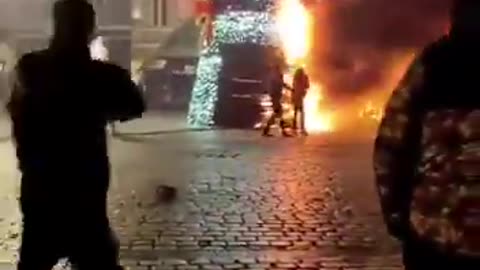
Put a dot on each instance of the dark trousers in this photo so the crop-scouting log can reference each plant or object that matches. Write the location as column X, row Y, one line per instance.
column 420, row 255
column 277, row 114
column 57, row 226
column 299, row 111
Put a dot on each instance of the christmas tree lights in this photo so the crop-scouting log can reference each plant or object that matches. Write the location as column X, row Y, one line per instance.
column 205, row 91
column 229, row 27
column 237, row 27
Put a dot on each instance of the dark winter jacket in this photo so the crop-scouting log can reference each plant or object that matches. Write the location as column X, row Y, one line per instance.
column 60, row 106
column 427, row 154
column 301, row 84
column 277, row 84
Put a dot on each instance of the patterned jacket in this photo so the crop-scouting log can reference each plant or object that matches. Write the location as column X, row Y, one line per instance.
column 427, row 153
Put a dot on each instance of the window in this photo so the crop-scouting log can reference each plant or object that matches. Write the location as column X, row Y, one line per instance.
column 142, row 12
column 164, row 12
column 150, row 13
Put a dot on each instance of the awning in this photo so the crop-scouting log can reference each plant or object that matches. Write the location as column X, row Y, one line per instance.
column 182, row 43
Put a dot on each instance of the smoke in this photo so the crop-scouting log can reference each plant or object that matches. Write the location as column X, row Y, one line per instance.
column 359, row 44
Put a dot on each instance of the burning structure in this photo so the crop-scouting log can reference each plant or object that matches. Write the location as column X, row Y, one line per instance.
column 362, row 48
column 233, row 28
column 355, row 51
column 243, row 44
column 295, row 29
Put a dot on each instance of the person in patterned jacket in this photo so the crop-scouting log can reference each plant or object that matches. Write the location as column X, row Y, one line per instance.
column 427, row 153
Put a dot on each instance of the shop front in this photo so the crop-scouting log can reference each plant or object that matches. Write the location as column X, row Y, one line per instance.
column 168, row 83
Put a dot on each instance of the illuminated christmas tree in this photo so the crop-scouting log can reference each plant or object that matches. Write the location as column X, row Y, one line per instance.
column 225, row 22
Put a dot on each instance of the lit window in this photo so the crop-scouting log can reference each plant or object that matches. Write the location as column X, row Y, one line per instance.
column 137, row 13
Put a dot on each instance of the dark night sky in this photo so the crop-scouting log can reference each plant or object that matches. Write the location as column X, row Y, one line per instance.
column 358, row 41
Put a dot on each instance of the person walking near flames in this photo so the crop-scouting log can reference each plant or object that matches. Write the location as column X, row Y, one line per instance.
column 276, row 86
column 427, row 153
column 301, row 84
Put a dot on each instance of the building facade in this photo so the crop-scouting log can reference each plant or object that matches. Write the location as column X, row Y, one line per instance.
column 115, row 25
column 161, row 13
column 28, row 23
column 130, row 28
column 154, row 21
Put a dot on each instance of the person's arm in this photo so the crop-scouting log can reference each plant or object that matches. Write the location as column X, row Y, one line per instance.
column 16, row 109
column 395, row 151
column 15, row 103
column 285, row 85
column 126, row 102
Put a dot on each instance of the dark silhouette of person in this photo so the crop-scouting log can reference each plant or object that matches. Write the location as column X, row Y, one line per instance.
column 61, row 103
column 301, row 84
column 276, row 85
column 427, row 155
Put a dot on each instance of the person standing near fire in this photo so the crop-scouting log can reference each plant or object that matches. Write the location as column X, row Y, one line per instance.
column 301, row 84
column 276, row 85
column 427, row 153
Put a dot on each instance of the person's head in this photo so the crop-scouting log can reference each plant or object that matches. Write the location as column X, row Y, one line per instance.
column 74, row 22
column 300, row 72
column 466, row 18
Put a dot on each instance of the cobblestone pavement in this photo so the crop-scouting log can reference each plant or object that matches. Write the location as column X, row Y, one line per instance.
column 248, row 203
column 245, row 202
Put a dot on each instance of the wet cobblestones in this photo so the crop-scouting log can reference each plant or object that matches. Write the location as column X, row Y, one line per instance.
column 326, row 263
column 245, row 203
column 279, row 204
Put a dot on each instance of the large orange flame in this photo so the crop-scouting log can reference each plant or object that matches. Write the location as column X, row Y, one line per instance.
column 375, row 102
column 295, row 28
column 316, row 118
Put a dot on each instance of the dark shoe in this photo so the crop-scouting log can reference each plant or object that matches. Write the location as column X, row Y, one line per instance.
column 266, row 133
column 304, row 133
column 166, row 194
